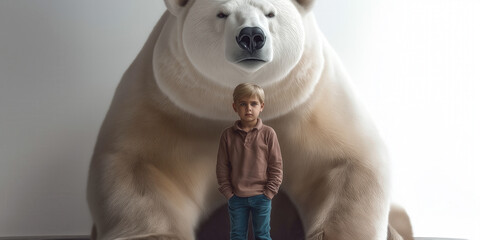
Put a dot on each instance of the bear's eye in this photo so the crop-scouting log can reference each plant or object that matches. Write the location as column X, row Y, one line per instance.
column 270, row 15
column 222, row 15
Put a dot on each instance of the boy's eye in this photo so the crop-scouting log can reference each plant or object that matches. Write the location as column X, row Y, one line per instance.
column 254, row 104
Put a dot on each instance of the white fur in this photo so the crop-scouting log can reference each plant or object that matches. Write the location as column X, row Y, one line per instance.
column 152, row 173
column 208, row 71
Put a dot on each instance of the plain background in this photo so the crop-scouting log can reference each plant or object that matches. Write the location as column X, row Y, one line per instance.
column 415, row 63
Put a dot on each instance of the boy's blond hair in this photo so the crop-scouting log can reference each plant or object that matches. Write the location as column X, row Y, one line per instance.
column 248, row 90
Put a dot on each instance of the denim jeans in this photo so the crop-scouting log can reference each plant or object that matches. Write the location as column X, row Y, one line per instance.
column 239, row 209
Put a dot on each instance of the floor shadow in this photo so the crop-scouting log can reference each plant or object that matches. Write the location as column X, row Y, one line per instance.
column 285, row 222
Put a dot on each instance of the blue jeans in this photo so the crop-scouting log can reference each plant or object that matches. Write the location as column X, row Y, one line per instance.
column 239, row 209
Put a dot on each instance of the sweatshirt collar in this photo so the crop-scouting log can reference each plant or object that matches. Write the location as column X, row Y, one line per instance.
column 258, row 126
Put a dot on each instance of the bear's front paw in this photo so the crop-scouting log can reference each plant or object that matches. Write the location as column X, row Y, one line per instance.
column 151, row 237
column 318, row 235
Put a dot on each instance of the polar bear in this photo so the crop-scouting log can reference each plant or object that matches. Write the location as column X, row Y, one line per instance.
column 152, row 174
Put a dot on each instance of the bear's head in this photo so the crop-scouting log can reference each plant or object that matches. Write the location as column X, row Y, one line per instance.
column 222, row 43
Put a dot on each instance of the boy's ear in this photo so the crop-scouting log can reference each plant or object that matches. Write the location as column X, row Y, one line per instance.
column 234, row 107
column 175, row 7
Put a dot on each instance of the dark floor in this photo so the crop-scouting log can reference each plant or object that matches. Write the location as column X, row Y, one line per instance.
column 87, row 238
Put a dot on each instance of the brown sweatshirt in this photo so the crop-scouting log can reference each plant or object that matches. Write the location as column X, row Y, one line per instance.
column 249, row 163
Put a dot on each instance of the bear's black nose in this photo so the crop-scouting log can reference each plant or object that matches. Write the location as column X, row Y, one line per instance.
column 251, row 39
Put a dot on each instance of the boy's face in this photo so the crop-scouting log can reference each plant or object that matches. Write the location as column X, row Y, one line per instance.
column 248, row 108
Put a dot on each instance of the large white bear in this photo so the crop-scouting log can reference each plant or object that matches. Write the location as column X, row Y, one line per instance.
column 152, row 175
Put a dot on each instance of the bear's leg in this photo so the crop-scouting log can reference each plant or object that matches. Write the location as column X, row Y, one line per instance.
column 151, row 237
column 139, row 200
column 346, row 200
column 399, row 224
column 393, row 234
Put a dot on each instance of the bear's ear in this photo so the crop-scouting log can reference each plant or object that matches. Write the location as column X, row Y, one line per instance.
column 306, row 4
column 175, row 7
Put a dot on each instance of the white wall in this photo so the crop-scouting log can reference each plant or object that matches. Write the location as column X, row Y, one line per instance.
column 60, row 62
column 416, row 64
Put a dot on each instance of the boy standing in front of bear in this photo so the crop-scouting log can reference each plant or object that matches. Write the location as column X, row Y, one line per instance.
column 249, row 165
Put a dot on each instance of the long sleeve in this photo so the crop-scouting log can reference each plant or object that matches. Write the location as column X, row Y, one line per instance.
column 224, row 169
column 274, row 168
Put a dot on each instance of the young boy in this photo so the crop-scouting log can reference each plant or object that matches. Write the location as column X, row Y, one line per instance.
column 249, row 165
